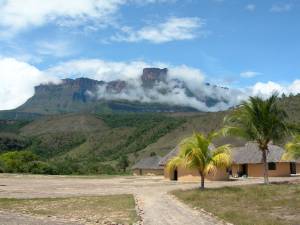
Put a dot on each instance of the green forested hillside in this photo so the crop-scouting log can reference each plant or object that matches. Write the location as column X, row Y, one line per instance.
column 95, row 143
column 85, row 143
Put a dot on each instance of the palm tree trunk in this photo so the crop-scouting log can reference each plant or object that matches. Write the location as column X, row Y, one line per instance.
column 266, row 176
column 202, row 182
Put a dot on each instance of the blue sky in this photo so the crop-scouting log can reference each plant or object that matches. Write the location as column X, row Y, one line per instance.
column 235, row 43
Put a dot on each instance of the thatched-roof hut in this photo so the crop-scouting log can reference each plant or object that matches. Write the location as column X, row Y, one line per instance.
column 247, row 160
column 185, row 174
column 148, row 166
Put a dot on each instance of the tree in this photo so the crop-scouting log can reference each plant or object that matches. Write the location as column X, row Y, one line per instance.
column 292, row 149
column 258, row 120
column 123, row 162
column 196, row 153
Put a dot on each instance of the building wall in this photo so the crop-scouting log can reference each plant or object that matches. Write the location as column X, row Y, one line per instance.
column 235, row 168
column 148, row 172
column 298, row 168
column 257, row 170
column 193, row 175
column 188, row 175
column 220, row 175
column 167, row 174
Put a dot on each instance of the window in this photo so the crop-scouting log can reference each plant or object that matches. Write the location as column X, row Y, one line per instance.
column 272, row 166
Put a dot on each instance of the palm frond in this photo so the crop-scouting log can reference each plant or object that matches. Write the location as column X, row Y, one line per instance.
column 195, row 153
column 222, row 156
column 235, row 131
column 174, row 163
column 211, row 169
column 257, row 119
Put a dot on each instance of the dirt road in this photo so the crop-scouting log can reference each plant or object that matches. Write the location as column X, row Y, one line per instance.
column 158, row 206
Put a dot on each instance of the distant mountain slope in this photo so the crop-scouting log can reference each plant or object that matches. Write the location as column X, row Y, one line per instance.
column 83, row 123
column 92, row 143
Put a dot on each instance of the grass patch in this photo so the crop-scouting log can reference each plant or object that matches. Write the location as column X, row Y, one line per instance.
column 276, row 204
column 114, row 208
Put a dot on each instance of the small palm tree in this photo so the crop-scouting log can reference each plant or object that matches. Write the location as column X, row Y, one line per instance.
column 196, row 153
column 258, row 120
column 292, row 149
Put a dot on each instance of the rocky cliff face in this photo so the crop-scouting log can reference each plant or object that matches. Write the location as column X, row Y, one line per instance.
column 116, row 86
column 151, row 76
column 76, row 85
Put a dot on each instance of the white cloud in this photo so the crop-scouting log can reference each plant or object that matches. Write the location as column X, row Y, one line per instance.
column 267, row 89
column 17, row 82
column 279, row 8
column 294, row 88
column 99, row 69
column 174, row 28
column 250, row 7
column 57, row 49
column 109, row 70
column 193, row 78
column 249, row 74
column 16, row 15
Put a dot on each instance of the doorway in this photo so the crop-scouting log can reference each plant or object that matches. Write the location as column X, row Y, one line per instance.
column 244, row 171
column 175, row 175
column 293, row 168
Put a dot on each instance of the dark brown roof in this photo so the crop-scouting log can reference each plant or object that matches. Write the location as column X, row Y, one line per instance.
column 174, row 153
column 250, row 153
column 148, row 163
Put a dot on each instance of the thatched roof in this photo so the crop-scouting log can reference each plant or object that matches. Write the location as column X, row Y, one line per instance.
column 169, row 156
column 250, row 153
column 174, row 153
column 149, row 163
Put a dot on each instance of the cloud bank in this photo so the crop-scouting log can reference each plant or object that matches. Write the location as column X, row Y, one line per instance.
column 266, row 89
column 180, row 78
column 17, row 82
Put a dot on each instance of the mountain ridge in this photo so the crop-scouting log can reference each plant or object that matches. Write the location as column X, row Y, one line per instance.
column 154, row 91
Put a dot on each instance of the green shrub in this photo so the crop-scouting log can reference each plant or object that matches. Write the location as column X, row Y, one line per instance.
column 17, row 161
column 39, row 167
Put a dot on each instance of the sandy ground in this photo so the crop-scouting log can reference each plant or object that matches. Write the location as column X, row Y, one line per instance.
column 159, row 208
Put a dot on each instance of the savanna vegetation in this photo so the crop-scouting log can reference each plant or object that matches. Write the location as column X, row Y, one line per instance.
column 275, row 204
column 114, row 209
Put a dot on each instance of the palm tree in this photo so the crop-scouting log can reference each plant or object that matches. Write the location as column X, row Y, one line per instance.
column 258, row 120
column 196, row 153
column 292, row 149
